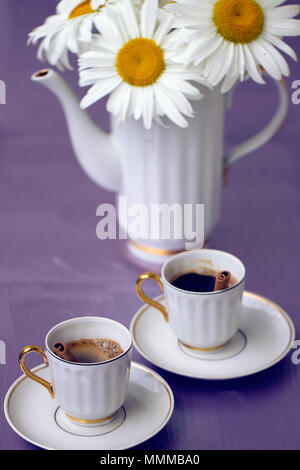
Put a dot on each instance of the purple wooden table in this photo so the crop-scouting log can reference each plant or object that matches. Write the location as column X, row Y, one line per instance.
column 52, row 266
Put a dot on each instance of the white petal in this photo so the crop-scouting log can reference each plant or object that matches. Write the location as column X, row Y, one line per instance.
column 89, row 77
column 270, row 3
column 168, row 107
column 85, row 29
column 179, row 99
column 121, row 25
column 148, row 18
column 108, row 28
column 284, row 27
column 277, row 57
column 57, row 47
column 101, row 60
column 178, row 37
column 219, row 63
column 100, row 89
column 129, row 18
column 232, row 74
column 264, row 59
column 206, row 49
column 67, row 6
column 174, row 81
column 287, row 11
column 241, row 61
column 229, row 82
column 64, row 60
column 163, row 29
column 277, row 42
column 125, row 103
column 148, row 106
column 72, row 38
column 114, row 102
column 139, row 102
column 252, row 66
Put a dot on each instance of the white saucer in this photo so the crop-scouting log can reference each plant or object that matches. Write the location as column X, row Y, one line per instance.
column 265, row 337
column 34, row 415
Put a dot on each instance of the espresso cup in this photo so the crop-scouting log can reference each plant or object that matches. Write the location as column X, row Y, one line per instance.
column 203, row 321
column 88, row 393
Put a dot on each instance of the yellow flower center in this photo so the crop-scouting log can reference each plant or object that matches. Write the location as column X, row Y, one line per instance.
column 140, row 62
column 239, row 21
column 83, row 8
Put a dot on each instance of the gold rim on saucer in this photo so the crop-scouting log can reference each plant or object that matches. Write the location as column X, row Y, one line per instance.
column 90, row 421
column 203, row 349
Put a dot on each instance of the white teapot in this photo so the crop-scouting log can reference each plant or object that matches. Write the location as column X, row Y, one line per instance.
column 163, row 165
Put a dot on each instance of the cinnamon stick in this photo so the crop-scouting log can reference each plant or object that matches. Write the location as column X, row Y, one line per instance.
column 227, row 275
column 222, row 280
column 63, row 352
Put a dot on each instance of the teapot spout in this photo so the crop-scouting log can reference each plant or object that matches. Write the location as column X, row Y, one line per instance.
column 92, row 146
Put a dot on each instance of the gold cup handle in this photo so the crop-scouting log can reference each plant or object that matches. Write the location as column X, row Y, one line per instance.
column 29, row 373
column 147, row 299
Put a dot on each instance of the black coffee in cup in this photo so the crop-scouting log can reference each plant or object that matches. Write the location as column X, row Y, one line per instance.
column 198, row 281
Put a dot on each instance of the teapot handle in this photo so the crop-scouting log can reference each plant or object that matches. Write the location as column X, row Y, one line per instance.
column 267, row 133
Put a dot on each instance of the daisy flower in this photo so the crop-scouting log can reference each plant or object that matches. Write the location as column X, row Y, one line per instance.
column 67, row 30
column 133, row 61
column 236, row 38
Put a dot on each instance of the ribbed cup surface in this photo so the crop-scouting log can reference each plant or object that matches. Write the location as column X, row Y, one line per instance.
column 204, row 321
column 91, row 391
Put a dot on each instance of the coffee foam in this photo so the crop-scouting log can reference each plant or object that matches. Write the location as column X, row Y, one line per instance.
column 88, row 350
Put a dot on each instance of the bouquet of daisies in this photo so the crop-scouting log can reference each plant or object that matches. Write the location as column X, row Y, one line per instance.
column 148, row 56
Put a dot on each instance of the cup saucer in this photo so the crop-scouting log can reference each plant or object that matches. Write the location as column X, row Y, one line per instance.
column 36, row 418
column 266, row 335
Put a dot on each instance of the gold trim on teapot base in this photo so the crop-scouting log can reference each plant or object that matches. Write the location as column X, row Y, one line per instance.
column 153, row 251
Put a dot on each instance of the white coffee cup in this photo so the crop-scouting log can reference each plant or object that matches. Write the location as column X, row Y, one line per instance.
column 89, row 393
column 200, row 320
